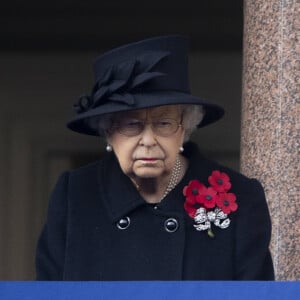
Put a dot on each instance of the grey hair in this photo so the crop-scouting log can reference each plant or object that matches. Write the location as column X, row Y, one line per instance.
column 192, row 115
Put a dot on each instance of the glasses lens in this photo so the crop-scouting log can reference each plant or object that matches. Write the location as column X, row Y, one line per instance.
column 165, row 127
column 130, row 127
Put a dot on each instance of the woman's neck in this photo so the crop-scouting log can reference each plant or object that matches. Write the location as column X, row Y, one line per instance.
column 153, row 190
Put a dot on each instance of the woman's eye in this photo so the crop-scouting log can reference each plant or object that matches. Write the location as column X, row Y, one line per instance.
column 131, row 123
column 163, row 123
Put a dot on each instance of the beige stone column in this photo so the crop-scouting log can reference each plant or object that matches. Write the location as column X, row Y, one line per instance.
column 270, row 120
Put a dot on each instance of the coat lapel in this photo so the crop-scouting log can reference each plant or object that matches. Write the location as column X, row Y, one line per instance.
column 119, row 195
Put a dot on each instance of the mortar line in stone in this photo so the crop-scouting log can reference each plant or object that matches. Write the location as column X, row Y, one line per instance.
column 279, row 124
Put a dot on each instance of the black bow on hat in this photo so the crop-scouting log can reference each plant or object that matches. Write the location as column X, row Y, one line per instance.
column 119, row 82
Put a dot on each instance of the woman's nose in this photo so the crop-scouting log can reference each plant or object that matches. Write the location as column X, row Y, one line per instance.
column 148, row 137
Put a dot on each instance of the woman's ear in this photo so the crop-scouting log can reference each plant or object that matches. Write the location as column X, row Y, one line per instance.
column 183, row 135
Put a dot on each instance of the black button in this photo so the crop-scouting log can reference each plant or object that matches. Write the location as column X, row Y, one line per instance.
column 171, row 225
column 123, row 223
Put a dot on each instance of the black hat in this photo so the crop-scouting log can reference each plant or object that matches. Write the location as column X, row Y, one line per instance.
column 152, row 72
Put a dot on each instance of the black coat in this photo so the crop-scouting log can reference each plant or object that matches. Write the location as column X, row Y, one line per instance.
column 81, row 239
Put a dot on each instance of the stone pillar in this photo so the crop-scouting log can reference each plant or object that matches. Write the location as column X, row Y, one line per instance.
column 270, row 120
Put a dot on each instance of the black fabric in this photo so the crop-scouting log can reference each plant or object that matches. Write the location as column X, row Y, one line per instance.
column 81, row 240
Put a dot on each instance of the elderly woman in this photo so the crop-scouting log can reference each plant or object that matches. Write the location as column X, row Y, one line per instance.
column 153, row 208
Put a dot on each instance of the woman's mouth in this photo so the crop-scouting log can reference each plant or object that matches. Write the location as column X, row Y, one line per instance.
column 149, row 159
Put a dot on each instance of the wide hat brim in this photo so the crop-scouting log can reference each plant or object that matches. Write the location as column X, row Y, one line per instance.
column 82, row 122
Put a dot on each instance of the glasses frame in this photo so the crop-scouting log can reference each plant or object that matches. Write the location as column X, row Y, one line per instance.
column 116, row 126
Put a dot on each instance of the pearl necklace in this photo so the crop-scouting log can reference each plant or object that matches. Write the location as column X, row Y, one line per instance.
column 175, row 176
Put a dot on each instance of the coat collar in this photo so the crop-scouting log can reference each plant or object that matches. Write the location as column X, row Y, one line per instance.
column 119, row 194
column 121, row 197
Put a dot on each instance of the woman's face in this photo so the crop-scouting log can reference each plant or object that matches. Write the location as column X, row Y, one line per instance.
column 147, row 154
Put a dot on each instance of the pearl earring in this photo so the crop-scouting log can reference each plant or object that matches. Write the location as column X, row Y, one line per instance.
column 181, row 149
column 108, row 148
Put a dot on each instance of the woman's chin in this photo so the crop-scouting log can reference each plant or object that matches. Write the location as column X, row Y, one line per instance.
column 148, row 174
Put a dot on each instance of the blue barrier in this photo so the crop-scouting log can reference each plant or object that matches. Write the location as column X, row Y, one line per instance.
column 165, row 290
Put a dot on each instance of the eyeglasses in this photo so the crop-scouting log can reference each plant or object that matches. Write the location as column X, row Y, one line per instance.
column 132, row 127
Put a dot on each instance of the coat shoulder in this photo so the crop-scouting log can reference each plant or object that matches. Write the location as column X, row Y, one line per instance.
column 206, row 166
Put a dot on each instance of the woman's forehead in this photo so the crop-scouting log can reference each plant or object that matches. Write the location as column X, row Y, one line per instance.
column 166, row 110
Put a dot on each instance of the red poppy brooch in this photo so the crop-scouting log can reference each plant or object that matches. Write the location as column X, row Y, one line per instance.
column 210, row 205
